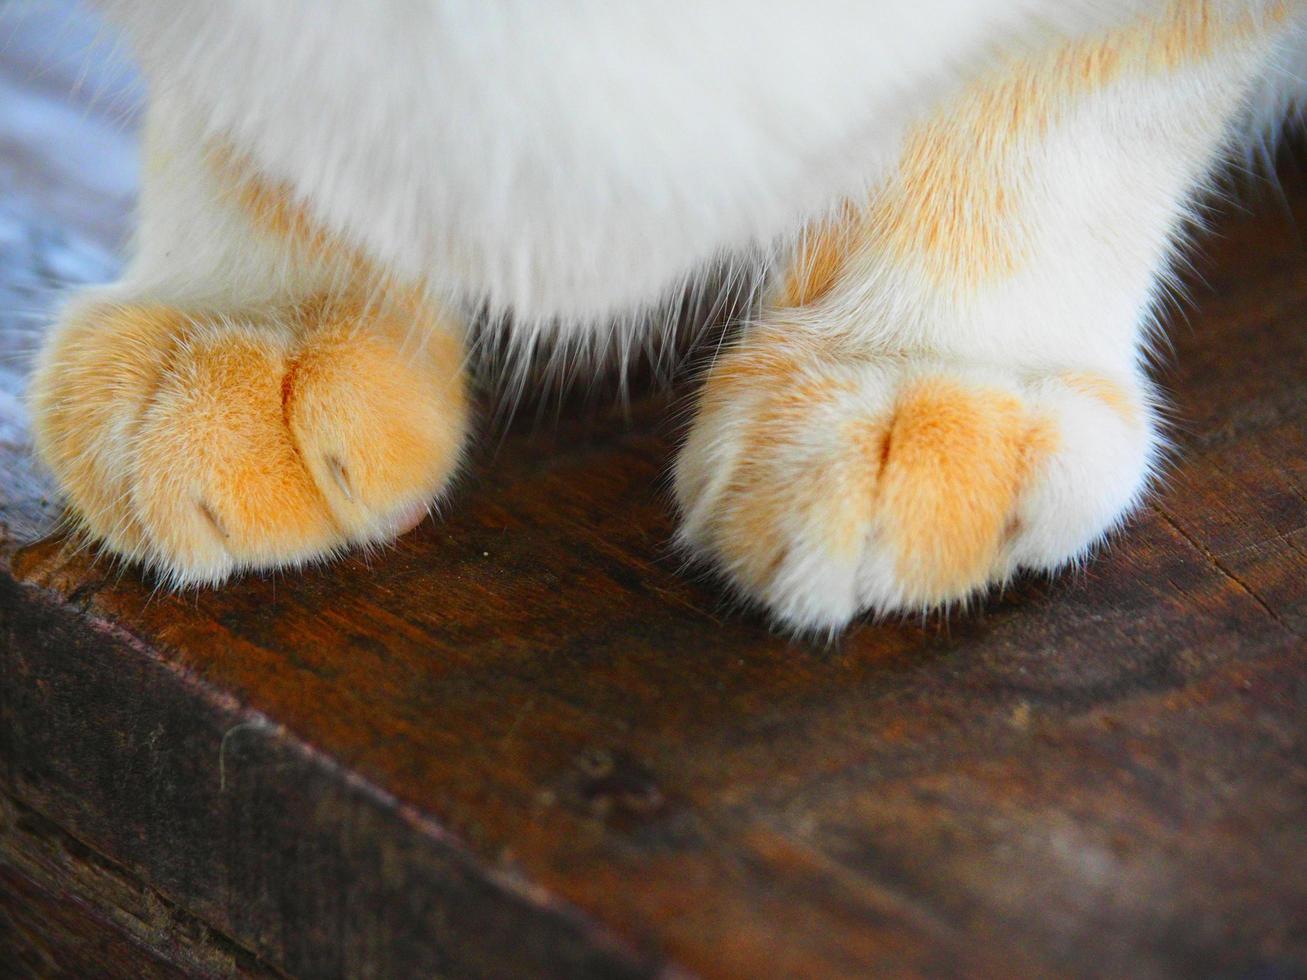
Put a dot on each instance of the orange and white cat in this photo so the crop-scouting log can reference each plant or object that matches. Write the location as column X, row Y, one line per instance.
column 971, row 207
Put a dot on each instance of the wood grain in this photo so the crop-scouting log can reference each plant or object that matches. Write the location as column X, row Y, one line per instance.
column 527, row 741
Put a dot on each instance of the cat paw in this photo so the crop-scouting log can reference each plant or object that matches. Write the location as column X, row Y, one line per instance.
column 829, row 486
column 204, row 444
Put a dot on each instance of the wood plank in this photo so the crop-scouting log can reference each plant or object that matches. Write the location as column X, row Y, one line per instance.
column 525, row 740
column 67, row 912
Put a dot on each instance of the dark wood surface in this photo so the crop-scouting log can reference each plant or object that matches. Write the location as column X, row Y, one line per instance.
column 525, row 741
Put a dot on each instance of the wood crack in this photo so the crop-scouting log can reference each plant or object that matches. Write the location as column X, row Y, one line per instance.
column 1216, row 563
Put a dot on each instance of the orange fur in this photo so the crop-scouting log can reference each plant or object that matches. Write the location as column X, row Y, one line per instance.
column 347, row 388
column 950, row 205
column 209, row 442
column 936, row 479
column 217, row 444
column 101, row 369
column 1105, row 390
column 819, row 259
column 272, row 206
column 217, row 472
column 956, row 459
column 759, row 499
column 274, row 210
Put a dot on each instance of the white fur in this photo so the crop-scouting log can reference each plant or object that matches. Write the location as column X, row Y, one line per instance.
column 570, row 163
column 570, row 160
column 1104, row 198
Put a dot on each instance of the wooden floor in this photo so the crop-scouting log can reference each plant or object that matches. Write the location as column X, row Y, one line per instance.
column 525, row 742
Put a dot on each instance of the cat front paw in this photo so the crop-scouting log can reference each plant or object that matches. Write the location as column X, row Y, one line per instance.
column 203, row 443
column 827, row 485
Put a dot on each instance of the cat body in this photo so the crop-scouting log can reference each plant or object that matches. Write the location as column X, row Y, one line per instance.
column 569, row 162
column 970, row 209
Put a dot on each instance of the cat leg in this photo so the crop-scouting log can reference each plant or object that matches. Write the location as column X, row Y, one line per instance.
column 250, row 395
column 947, row 385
